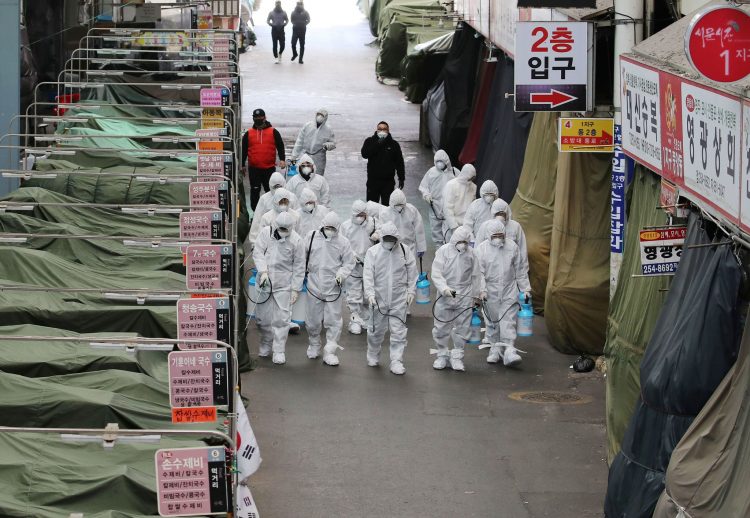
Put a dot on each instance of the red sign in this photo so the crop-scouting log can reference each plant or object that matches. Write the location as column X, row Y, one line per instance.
column 717, row 43
column 197, row 414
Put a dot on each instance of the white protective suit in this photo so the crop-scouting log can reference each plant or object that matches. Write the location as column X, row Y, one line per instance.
column 315, row 140
column 408, row 222
column 389, row 278
column 265, row 203
column 309, row 221
column 315, row 183
column 503, row 277
column 513, row 229
column 283, row 259
column 359, row 236
column 453, row 270
column 270, row 216
column 431, row 187
column 457, row 196
column 329, row 262
column 480, row 209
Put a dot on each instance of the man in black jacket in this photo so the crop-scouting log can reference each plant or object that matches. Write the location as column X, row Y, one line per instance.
column 384, row 162
column 300, row 19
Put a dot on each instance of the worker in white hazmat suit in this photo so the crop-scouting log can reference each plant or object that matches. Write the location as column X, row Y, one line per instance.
column 329, row 260
column 308, row 178
column 513, row 230
column 408, row 220
column 480, row 209
column 315, row 139
column 280, row 260
column 390, row 275
column 311, row 213
column 431, row 187
column 457, row 196
column 456, row 275
column 503, row 277
column 358, row 230
column 265, row 203
column 282, row 201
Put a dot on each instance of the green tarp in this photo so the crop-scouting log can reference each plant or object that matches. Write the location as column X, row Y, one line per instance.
column 97, row 253
column 44, row 477
column 575, row 306
column 634, row 310
column 534, row 202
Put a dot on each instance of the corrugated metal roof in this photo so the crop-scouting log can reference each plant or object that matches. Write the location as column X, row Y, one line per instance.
column 587, row 14
column 666, row 50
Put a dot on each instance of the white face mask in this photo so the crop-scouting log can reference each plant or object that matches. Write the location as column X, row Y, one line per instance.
column 283, row 207
column 462, row 247
column 330, row 233
column 284, row 233
column 306, row 169
column 319, row 119
column 399, row 208
column 497, row 241
column 441, row 165
column 388, row 245
column 359, row 220
column 274, row 187
column 501, row 217
column 489, row 198
column 309, row 207
column 382, row 134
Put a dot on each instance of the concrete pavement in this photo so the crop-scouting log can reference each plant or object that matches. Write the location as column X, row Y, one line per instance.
column 355, row 441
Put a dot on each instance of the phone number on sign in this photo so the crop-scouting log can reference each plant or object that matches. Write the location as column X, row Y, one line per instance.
column 654, row 269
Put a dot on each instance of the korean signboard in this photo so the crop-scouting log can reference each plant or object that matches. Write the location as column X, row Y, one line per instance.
column 192, row 481
column 711, row 135
column 620, row 172
column 209, row 267
column 210, row 195
column 553, row 69
column 213, row 165
column 641, row 132
column 586, row 135
column 203, row 319
column 717, row 43
column 214, row 97
column 661, row 249
column 198, row 378
column 201, row 226
column 669, row 197
column 213, row 118
column 745, row 159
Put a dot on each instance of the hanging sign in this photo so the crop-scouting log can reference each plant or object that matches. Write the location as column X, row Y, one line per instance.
column 210, row 195
column 717, row 43
column 203, row 319
column 209, row 267
column 661, row 249
column 192, row 481
column 201, row 226
column 586, row 135
column 553, row 66
column 214, row 97
column 198, row 378
column 213, row 165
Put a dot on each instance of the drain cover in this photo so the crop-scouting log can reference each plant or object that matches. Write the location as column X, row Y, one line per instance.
column 551, row 397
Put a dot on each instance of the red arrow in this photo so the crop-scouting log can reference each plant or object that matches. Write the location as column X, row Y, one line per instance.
column 554, row 98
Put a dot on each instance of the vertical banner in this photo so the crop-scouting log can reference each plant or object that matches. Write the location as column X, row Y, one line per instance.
column 617, row 210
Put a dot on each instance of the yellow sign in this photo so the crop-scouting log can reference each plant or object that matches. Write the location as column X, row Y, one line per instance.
column 586, row 135
column 212, row 118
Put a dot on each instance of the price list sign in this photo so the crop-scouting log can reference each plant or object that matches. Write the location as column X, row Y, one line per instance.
column 209, row 195
column 191, row 481
column 661, row 249
column 214, row 165
column 214, row 97
column 198, row 378
column 209, row 267
column 201, row 226
column 203, row 319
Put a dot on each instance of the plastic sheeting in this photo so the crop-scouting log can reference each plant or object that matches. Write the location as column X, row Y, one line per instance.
column 719, row 438
column 433, row 116
column 459, row 77
column 633, row 310
column 504, row 134
column 534, row 202
column 577, row 298
column 422, row 65
column 693, row 346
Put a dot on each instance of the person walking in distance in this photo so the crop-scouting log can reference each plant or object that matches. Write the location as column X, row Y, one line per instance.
column 300, row 19
column 260, row 145
column 385, row 162
column 278, row 19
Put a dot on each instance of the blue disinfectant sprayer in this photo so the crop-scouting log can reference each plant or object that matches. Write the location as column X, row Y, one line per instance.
column 525, row 326
column 475, row 336
column 423, row 286
column 299, row 309
column 252, row 290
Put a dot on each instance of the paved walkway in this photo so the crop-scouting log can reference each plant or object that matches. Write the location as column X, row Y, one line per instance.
column 354, row 441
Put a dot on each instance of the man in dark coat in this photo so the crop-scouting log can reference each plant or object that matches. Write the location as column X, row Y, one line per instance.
column 384, row 162
column 300, row 19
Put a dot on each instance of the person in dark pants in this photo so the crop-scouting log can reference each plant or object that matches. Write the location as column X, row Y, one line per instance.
column 384, row 162
column 260, row 145
column 278, row 19
column 300, row 19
